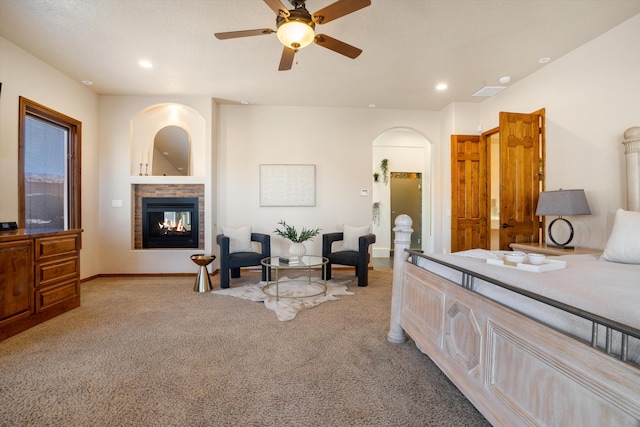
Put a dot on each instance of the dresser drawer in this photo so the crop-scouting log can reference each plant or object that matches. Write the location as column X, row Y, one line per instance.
column 52, row 295
column 50, row 272
column 49, row 247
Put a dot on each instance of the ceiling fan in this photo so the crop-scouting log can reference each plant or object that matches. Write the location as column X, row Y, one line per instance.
column 295, row 28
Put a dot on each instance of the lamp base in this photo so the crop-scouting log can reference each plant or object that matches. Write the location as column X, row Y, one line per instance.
column 563, row 245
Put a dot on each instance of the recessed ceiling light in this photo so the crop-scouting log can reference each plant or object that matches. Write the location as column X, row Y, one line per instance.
column 165, row 153
column 504, row 79
column 372, row 105
column 544, row 60
column 87, row 82
column 244, row 102
column 145, row 64
column 441, row 86
column 180, row 169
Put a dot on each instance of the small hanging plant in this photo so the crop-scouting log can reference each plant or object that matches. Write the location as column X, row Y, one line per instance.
column 376, row 177
column 376, row 213
column 384, row 167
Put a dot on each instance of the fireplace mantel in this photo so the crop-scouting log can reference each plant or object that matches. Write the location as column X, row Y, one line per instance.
column 177, row 180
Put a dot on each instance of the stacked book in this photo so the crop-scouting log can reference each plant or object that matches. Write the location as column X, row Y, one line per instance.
column 293, row 260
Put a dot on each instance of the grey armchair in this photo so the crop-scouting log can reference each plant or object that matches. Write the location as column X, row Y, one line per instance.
column 230, row 263
column 358, row 259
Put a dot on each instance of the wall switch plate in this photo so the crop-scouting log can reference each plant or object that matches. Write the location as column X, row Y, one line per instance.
column 364, row 192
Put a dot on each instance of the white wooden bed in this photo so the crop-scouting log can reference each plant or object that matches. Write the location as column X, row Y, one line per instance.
column 559, row 348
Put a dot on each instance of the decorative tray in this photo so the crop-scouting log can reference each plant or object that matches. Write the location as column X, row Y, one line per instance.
column 547, row 265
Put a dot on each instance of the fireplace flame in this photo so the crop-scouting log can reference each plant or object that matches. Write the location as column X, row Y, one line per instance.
column 169, row 225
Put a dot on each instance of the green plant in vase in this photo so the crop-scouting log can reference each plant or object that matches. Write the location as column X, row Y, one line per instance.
column 290, row 233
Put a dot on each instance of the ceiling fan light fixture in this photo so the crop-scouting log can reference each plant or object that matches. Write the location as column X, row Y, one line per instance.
column 295, row 34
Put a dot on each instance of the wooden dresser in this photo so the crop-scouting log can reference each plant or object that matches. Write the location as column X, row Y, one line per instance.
column 39, row 277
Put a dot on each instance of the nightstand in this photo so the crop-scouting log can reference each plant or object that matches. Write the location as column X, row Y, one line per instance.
column 542, row 248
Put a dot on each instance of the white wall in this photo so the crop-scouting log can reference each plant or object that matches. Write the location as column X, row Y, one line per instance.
column 591, row 96
column 117, row 175
column 22, row 74
column 337, row 140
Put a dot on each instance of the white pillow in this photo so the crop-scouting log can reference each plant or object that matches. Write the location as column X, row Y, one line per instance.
column 352, row 235
column 239, row 238
column 624, row 242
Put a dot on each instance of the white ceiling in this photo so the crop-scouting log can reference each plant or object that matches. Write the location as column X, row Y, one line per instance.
column 408, row 47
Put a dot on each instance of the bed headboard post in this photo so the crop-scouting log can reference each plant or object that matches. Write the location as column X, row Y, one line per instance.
column 632, row 151
column 402, row 241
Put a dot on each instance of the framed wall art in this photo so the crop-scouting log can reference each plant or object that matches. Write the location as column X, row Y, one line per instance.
column 287, row 185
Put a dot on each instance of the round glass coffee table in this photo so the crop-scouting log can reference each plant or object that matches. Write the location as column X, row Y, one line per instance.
column 307, row 264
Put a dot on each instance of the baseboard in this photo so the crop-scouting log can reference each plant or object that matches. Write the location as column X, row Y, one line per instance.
column 86, row 279
column 213, row 273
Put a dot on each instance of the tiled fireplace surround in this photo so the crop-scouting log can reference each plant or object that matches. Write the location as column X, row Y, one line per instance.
column 166, row 190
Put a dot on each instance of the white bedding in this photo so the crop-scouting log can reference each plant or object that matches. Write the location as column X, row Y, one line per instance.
column 605, row 289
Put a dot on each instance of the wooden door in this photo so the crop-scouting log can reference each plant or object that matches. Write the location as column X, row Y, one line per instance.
column 469, row 185
column 521, row 151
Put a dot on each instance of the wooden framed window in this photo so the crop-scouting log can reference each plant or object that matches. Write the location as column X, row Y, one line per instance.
column 48, row 168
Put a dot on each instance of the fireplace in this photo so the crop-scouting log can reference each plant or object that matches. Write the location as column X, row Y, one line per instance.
column 169, row 222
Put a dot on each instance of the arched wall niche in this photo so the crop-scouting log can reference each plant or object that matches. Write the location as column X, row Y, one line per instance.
column 147, row 123
column 171, row 148
column 407, row 150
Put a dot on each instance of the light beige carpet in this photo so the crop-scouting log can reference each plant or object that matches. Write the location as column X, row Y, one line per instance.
column 152, row 352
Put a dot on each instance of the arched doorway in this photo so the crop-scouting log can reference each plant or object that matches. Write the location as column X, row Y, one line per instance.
column 409, row 157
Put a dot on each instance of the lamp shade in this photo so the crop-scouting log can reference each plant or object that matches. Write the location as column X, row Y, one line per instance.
column 563, row 202
column 295, row 34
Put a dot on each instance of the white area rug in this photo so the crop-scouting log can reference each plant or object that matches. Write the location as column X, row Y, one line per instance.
column 287, row 308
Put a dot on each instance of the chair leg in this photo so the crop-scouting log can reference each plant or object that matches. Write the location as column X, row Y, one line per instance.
column 363, row 277
column 235, row 272
column 224, row 278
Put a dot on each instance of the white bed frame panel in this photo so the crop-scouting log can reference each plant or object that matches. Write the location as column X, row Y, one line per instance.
column 515, row 370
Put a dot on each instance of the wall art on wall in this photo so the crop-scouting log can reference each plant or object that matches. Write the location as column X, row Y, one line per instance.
column 287, row 185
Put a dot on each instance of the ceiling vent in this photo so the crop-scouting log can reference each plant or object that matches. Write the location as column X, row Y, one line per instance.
column 489, row 90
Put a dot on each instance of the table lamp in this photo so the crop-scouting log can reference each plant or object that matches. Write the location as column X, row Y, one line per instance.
column 562, row 202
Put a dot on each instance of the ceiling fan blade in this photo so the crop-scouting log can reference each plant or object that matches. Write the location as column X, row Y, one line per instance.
column 277, row 7
column 338, row 9
column 244, row 33
column 286, row 61
column 337, row 46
